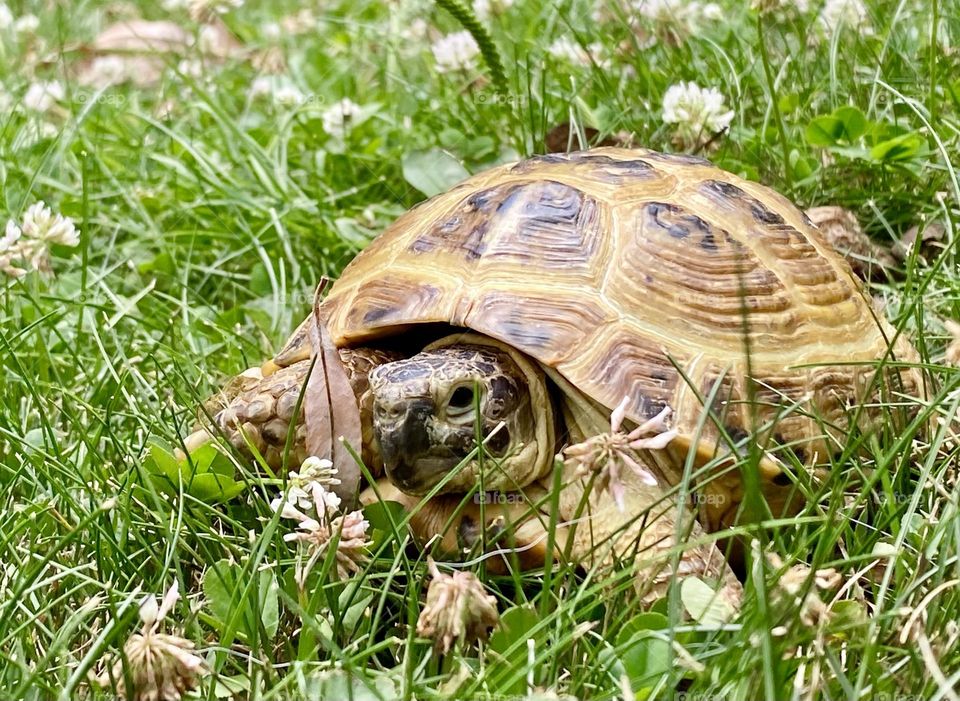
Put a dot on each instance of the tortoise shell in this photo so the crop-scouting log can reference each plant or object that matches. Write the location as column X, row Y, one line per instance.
column 639, row 274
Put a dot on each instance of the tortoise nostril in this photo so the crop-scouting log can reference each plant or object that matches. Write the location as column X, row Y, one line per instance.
column 498, row 442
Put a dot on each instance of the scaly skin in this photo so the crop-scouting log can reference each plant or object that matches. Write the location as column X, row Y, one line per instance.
column 259, row 406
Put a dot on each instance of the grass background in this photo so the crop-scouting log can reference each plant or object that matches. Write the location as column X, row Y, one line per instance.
column 204, row 232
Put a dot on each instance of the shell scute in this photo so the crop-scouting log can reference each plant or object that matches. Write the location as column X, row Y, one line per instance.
column 550, row 327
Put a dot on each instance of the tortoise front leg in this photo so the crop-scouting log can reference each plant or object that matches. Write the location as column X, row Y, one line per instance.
column 263, row 407
column 513, row 528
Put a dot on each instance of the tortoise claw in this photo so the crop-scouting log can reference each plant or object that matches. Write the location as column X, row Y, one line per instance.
column 470, row 535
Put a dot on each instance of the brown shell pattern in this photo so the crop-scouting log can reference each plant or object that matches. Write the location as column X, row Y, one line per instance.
column 618, row 266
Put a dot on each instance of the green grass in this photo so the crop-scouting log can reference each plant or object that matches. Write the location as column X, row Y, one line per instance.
column 204, row 233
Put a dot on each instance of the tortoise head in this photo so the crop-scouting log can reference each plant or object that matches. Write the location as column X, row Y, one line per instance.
column 426, row 410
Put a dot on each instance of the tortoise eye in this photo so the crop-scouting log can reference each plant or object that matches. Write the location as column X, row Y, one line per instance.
column 459, row 408
column 462, row 398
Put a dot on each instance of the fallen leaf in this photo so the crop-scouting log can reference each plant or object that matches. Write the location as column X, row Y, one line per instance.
column 330, row 408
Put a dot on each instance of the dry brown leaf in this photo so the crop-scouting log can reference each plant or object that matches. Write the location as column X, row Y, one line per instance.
column 330, row 408
column 931, row 240
column 142, row 36
column 138, row 51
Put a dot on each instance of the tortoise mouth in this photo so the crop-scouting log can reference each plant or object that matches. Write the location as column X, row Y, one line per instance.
column 418, row 476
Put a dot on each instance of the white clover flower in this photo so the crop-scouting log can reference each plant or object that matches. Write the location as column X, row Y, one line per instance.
column 26, row 24
column 314, row 508
column 338, row 118
column 41, row 224
column 260, row 87
column 300, row 493
column 30, row 242
column 566, row 49
column 781, row 7
column 278, row 88
column 10, row 250
column 271, row 31
column 6, row 17
column 350, row 532
column 42, row 96
column 161, row 666
column 10, row 237
column 191, row 68
column 484, row 8
column 455, row 52
column 321, row 470
column 417, row 30
column 675, row 20
column 316, row 533
column 300, row 22
column 848, row 13
column 699, row 113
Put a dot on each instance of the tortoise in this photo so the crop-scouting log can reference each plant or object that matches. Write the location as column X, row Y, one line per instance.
column 530, row 301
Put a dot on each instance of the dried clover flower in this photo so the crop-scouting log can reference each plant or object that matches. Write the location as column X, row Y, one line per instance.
column 792, row 586
column 162, row 667
column 458, row 608
column 607, row 454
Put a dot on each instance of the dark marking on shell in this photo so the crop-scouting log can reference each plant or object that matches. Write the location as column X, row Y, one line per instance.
column 548, row 328
column 377, row 314
column 388, row 301
column 679, row 223
column 466, row 228
column 759, row 211
column 551, row 223
column 597, row 166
